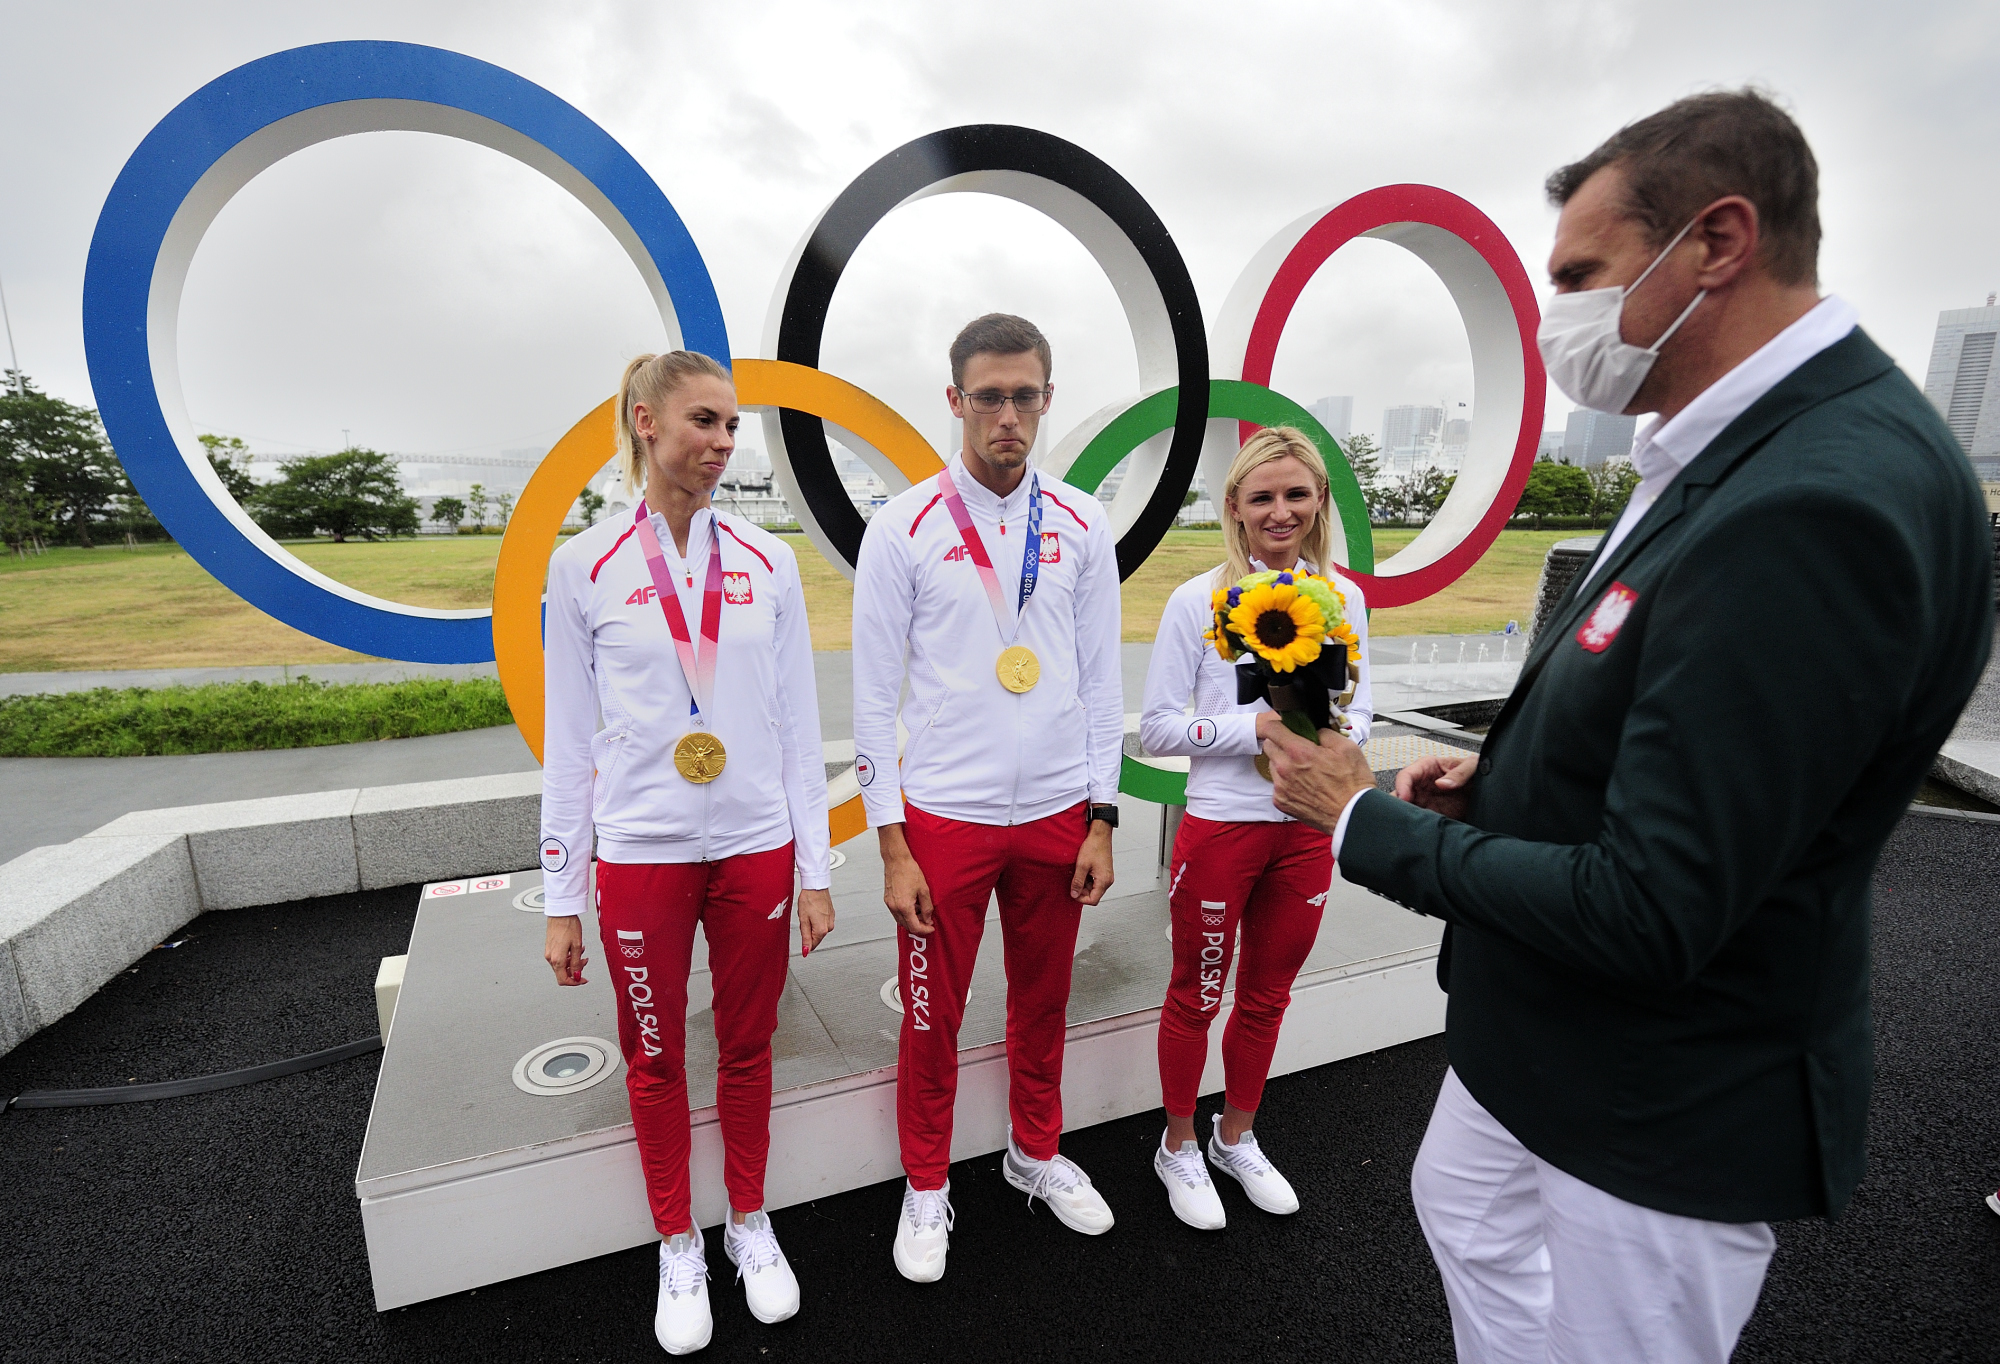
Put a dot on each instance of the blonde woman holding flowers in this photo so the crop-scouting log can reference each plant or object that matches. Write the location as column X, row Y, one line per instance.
column 1239, row 864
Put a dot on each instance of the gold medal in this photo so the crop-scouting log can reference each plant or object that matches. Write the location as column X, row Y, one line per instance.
column 1018, row 668
column 1263, row 765
column 699, row 757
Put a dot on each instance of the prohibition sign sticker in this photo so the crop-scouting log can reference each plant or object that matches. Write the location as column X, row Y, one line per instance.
column 213, row 144
column 1097, row 205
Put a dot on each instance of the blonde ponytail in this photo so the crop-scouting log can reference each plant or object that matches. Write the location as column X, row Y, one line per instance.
column 1316, row 545
column 652, row 379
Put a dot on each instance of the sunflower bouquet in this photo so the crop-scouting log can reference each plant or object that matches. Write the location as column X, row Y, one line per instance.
column 1293, row 647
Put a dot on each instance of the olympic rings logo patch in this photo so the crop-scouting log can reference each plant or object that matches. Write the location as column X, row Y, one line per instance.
column 1207, row 389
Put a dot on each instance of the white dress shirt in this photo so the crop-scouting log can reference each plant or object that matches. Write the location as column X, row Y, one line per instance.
column 1219, row 738
column 608, row 651
column 977, row 752
column 1665, row 448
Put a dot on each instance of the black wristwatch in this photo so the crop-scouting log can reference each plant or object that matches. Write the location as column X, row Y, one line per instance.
column 1107, row 813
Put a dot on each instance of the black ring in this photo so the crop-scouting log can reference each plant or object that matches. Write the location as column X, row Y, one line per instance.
column 915, row 167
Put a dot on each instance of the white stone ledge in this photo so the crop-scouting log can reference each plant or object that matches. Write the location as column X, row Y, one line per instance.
column 441, row 830
column 73, row 915
column 259, row 852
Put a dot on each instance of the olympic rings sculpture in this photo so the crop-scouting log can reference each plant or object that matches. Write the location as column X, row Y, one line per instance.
column 1201, row 399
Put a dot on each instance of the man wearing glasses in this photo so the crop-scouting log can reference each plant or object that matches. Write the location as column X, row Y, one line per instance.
column 993, row 590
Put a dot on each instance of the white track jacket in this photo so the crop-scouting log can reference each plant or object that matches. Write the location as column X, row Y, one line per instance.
column 976, row 751
column 1219, row 738
column 609, row 653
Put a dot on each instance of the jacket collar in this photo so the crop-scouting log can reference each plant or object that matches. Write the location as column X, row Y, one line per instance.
column 1840, row 368
column 976, row 495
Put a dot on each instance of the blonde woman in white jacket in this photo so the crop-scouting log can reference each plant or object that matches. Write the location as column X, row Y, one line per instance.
column 704, row 791
column 1240, row 867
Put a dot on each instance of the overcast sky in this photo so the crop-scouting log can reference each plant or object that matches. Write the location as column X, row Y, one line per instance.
column 432, row 296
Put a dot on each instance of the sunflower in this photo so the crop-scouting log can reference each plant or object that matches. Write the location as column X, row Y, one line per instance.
column 1219, row 603
column 1282, row 624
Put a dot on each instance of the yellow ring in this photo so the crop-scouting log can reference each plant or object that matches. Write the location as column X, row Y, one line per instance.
column 522, row 571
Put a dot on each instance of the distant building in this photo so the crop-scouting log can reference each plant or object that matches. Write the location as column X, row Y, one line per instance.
column 1551, row 446
column 1409, row 434
column 1964, row 382
column 1336, row 415
column 1593, row 437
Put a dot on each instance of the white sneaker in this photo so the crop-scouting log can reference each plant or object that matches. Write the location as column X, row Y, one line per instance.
column 1244, row 1162
column 681, row 1322
column 923, row 1233
column 1190, row 1192
column 769, row 1285
column 1060, row 1184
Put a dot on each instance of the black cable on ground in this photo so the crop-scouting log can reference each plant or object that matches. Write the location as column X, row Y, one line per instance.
column 199, row 1084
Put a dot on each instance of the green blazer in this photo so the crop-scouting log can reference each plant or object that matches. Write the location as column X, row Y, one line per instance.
column 1659, row 900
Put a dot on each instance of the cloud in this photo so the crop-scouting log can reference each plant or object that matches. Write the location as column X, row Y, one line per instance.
column 435, row 296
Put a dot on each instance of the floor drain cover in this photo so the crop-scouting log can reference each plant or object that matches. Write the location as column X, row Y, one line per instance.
column 892, row 995
column 565, row 1066
column 535, row 901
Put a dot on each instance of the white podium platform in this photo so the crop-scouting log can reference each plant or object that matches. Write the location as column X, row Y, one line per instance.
column 467, row 1178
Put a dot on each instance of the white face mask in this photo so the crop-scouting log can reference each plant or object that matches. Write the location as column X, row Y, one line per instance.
column 1583, row 350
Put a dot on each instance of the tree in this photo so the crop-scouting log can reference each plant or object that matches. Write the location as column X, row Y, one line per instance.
column 448, row 511
column 475, row 501
column 1365, row 459
column 1554, row 489
column 230, row 458
column 1611, row 485
column 503, row 509
column 1423, row 493
column 356, row 492
column 56, row 467
column 592, row 502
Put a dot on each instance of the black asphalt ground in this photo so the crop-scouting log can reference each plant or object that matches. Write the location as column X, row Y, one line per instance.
column 223, row 1226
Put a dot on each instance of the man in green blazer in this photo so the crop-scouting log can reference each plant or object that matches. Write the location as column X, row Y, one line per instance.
column 1656, row 873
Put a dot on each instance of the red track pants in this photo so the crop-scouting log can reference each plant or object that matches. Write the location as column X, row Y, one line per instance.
column 1030, row 866
column 647, row 913
column 1271, row 878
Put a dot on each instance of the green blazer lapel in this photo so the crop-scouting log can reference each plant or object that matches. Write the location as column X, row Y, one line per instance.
column 1846, row 364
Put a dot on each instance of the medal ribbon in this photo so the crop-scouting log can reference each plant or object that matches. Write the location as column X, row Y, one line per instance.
column 1031, row 553
column 697, row 665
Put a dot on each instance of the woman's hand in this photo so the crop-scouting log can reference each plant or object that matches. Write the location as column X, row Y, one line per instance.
column 815, row 919
column 1269, row 723
column 563, row 950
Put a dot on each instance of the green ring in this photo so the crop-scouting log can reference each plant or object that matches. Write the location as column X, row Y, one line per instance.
column 1245, row 402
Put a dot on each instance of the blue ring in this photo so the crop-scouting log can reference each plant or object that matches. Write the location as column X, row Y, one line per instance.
column 157, row 180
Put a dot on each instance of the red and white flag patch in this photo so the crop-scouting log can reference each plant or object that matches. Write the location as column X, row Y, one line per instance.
column 1051, row 547
column 1608, row 619
column 736, row 589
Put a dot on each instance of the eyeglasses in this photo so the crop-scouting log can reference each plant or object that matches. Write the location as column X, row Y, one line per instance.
column 1027, row 402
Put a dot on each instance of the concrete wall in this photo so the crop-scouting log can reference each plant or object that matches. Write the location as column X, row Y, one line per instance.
column 73, row 915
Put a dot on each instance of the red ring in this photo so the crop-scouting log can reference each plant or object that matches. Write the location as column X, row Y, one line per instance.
column 1436, row 208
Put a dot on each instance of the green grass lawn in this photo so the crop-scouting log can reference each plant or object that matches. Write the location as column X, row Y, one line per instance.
column 154, row 607
column 232, row 717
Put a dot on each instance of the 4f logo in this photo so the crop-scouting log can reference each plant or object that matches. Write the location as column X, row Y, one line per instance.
column 1051, row 547
column 643, row 595
column 736, row 589
column 956, row 553
column 1318, row 901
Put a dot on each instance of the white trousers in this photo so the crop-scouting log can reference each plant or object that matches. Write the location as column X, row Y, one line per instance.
column 1541, row 1267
